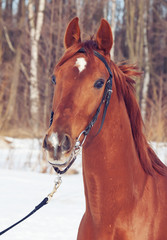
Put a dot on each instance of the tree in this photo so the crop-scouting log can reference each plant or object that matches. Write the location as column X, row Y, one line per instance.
column 113, row 25
column 35, row 31
column 90, row 17
column 11, row 109
column 146, row 80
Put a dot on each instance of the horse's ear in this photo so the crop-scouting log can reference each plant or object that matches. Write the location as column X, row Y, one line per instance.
column 72, row 34
column 104, row 37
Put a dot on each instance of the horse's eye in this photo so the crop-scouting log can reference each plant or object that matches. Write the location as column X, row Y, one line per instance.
column 54, row 79
column 99, row 83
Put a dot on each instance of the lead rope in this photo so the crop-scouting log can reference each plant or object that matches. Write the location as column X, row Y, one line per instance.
column 45, row 201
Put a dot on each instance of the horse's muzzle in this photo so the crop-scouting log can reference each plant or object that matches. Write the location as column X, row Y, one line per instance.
column 58, row 147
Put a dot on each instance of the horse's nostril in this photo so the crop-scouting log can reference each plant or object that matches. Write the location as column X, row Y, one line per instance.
column 66, row 143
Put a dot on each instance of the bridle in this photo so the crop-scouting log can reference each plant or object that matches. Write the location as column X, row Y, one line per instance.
column 78, row 145
column 105, row 100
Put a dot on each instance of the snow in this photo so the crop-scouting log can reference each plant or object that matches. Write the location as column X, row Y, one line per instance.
column 161, row 150
column 21, row 154
column 22, row 191
column 22, row 187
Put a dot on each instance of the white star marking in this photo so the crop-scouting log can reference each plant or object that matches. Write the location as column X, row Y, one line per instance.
column 81, row 64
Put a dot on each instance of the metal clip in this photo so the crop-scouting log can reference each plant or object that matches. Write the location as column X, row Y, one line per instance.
column 58, row 182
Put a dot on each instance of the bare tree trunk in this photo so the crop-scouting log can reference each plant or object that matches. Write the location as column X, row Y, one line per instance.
column 11, row 109
column 113, row 25
column 78, row 7
column 135, row 35
column 11, row 106
column 8, row 10
column 47, row 92
column 92, row 12
column 146, row 70
column 35, row 31
column 139, row 34
column 72, row 11
column 130, row 14
column 59, row 23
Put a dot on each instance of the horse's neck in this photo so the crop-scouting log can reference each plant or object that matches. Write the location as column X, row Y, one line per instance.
column 111, row 167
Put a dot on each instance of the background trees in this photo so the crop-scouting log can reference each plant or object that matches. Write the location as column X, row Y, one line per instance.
column 31, row 42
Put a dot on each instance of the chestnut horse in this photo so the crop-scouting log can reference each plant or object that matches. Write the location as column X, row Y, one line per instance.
column 125, row 183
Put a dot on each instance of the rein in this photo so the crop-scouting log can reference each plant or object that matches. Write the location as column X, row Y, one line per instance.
column 105, row 100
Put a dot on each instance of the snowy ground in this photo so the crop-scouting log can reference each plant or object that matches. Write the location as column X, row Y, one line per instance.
column 21, row 190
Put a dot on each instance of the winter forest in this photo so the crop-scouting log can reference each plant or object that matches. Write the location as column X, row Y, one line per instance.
column 31, row 42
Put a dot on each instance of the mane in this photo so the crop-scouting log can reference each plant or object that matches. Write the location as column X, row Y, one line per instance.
column 123, row 76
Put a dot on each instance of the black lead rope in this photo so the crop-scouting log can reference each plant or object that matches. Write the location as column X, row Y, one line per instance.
column 44, row 202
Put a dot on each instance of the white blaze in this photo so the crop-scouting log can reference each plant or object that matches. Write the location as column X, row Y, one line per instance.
column 81, row 64
column 53, row 139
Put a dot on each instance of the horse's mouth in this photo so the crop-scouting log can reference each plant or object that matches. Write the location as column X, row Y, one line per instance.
column 61, row 160
column 58, row 163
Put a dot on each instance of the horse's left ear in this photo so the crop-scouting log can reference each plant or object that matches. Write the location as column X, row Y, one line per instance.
column 72, row 34
column 104, row 37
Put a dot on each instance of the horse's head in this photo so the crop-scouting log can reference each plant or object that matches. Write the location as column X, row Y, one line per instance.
column 80, row 78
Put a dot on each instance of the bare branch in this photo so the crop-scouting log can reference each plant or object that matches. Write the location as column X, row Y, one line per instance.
column 8, row 39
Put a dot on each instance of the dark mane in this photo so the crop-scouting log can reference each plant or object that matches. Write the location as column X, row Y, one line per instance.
column 123, row 76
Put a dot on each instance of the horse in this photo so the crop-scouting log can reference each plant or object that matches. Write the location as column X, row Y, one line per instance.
column 125, row 183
